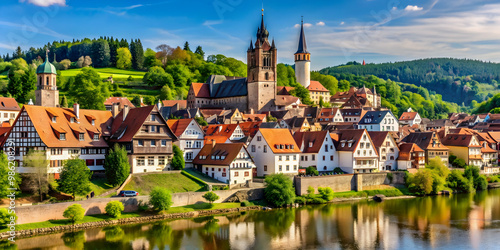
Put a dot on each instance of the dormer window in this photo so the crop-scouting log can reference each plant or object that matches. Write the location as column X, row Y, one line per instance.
column 217, row 157
column 81, row 136
column 223, row 157
column 62, row 136
column 54, row 119
column 93, row 122
column 96, row 137
column 342, row 144
column 72, row 119
column 350, row 144
column 212, row 157
column 310, row 144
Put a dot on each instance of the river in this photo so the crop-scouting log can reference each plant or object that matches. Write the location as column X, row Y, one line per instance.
column 463, row 221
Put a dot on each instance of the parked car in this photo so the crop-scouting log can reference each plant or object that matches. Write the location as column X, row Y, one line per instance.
column 128, row 193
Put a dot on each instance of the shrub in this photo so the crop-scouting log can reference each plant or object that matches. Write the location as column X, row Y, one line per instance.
column 300, row 200
column 160, row 199
column 480, row 183
column 211, row 197
column 338, row 170
column 310, row 190
column 142, row 206
column 420, row 183
column 390, row 177
column 279, row 190
column 458, row 183
column 74, row 213
column 246, row 204
column 493, row 179
column 315, row 200
column 114, row 209
column 326, row 193
column 130, row 78
column 5, row 217
column 312, row 171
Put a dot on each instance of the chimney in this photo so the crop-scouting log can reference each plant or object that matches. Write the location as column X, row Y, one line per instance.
column 213, row 143
column 125, row 111
column 220, row 129
column 159, row 104
column 115, row 109
column 251, row 111
column 141, row 101
column 76, row 110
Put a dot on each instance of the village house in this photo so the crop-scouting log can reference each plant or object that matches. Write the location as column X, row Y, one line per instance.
column 410, row 118
column 146, row 137
column 190, row 138
column 465, row 147
column 387, row 149
column 356, row 151
column 430, row 143
column 62, row 133
column 8, row 109
column 352, row 115
column 329, row 115
column 379, row 121
column 411, row 157
column 274, row 151
column 226, row 162
column 318, row 150
column 231, row 131
column 121, row 101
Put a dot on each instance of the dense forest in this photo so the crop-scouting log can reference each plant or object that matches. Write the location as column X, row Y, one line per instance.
column 462, row 81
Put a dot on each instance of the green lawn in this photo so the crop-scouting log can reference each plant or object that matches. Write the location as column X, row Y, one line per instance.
column 390, row 192
column 106, row 72
column 202, row 206
column 175, row 182
column 98, row 185
column 201, row 176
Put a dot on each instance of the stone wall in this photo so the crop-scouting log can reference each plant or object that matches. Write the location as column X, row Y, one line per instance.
column 38, row 213
column 346, row 182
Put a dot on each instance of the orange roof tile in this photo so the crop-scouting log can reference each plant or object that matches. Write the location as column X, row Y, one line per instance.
column 277, row 137
column 216, row 138
column 170, row 103
column 200, row 90
column 122, row 101
column 178, row 126
column 408, row 116
column 316, row 86
column 7, row 103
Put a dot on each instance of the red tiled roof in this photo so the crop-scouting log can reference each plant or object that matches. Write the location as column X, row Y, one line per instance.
column 201, row 90
column 210, row 112
column 316, row 86
column 170, row 103
column 254, row 117
column 122, row 101
column 217, row 138
column 310, row 141
column 178, row 126
column 348, row 135
column 378, row 137
column 250, row 128
column 285, row 100
column 7, row 103
column 408, row 116
column 405, row 150
column 228, row 151
column 220, row 129
column 275, row 137
column 458, row 140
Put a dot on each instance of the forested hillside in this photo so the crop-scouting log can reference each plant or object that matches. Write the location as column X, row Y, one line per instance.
column 457, row 80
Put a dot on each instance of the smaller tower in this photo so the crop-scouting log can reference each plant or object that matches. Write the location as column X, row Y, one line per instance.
column 46, row 91
column 303, row 60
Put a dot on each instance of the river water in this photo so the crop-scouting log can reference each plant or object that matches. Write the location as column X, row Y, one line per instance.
column 464, row 221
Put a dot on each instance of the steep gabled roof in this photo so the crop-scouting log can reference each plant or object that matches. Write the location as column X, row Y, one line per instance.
column 378, row 137
column 122, row 101
column 230, row 88
column 179, row 126
column 220, row 129
column 408, row 116
column 280, row 140
column 310, row 142
column 328, row 113
column 425, row 140
column 347, row 137
column 374, row 117
column 170, row 103
column 406, row 149
column 459, row 140
column 227, row 151
column 285, row 100
column 201, row 90
column 283, row 90
column 7, row 103
column 317, row 87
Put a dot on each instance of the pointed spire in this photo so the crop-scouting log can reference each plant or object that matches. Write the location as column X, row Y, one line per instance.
column 251, row 45
column 302, row 39
column 364, row 62
column 272, row 45
column 47, row 55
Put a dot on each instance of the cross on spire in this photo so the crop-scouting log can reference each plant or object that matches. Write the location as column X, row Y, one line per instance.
column 47, row 55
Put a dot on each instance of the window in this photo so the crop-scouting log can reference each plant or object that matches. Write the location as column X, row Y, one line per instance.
column 265, row 148
column 153, row 129
column 259, row 138
column 96, row 137
column 331, row 157
column 391, row 158
column 294, row 157
column 236, row 173
column 247, row 173
column 265, row 167
column 151, row 160
column 140, row 143
column 89, row 162
column 161, row 160
column 392, row 150
column 295, row 167
column 62, row 136
column 326, row 148
column 140, row 161
column 253, row 148
column 188, row 144
column 218, row 169
column 56, row 151
column 152, row 118
column 189, row 156
column 81, row 136
column 54, row 119
column 324, row 157
column 287, row 167
column 197, row 144
column 280, row 168
column 73, row 151
column 99, row 162
column 153, row 143
column 280, row 158
column 163, row 143
column 313, row 157
column 287, row 157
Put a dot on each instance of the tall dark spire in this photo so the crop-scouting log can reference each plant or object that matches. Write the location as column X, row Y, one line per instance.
column 302, row 40
column 251, row 45
column 262, row 33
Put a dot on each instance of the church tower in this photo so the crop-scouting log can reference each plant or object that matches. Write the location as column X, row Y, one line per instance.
column 261, row 71
column 46, row 91
column 302, row 60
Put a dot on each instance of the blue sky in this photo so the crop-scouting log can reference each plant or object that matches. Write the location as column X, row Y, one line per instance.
column 336, row 31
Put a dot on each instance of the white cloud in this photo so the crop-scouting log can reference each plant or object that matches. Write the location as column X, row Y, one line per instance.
column 212, row 22
column 320, row 23
column 45, row 3
column 307, row 25
column 413, row 8
column 296, row 25
column 342, row 23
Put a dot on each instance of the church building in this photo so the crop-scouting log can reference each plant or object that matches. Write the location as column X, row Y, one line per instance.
column 46, row 91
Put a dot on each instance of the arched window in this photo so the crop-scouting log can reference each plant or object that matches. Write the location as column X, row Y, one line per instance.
column 47, row 81
column 40, row 82
column 267, row 75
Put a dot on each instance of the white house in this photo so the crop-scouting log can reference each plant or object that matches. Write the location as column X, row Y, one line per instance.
column 8, row 109
column 318, row 150
column 328, row 115
column 356, row 151
column 387, row 149
column 379, row 121
column 190, row 138
column 274, row 151
column 410, row 118
column 231, row 131
column 227, row 162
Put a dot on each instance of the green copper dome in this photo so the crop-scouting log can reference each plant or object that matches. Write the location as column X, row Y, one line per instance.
column 46, row 68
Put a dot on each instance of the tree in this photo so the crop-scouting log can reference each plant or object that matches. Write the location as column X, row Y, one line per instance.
column 160, row 199
column 312, row 171
column 117, row 166
column 156, row 76
column 137, row 52
column 210, row 197
column 163, row 52
column 186, row 46
column 123, row 58
column 101, row 53
column 114, row 209
column 38, row 178
column 150, row 59
column 74, row 213
column 302, row 93
column 64, row 64
column 271, row 118
column 201, row 121
column 74, row 178
column 5, row 217
column 420, row 183
column 326, row 193
column 88, row 89
column 279, row 190
column 310, row 191
column 178, row 159
column 7, row 180
column 64, row 102
column 458, row 183
column 199, row 51
column 166, row 93
column 18, row 53
column 22, row 80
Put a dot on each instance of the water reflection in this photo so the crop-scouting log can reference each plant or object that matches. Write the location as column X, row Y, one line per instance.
column 460, row 221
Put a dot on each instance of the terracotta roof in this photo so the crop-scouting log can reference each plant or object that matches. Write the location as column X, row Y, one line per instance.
column 228, row 151
column 328, row 113
column 250, row 128
column 7, row 103
column 254, row 117
column 220, row 129
column 4, row 132
column 424, row 140
column 352, row 136
column 179, row 126
column 5, row 124
column 210, row 112
column 458, row 140
column 47, row 129
column 201, row 90
column 170, row 103
column 122, row 101
column 487, row 149
column 485, row 137
column 378, row 137
column 408, row 116
column 355, row 102
column 364, row 90
column 316, row 86
column 285, row 100
column 280, row 140
column 217, row 138
column 310, row 142
column 405, row 150
column 283, row 90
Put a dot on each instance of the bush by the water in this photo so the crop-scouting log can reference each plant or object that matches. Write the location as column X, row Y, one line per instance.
column 114, row 209
column 74, row 213
column 160, row 199
column 300, row 200
column 5, row 217
column 326, row 193
column 279, row 190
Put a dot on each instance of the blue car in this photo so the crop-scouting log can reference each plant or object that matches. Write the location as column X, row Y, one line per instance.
column 128, row 193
